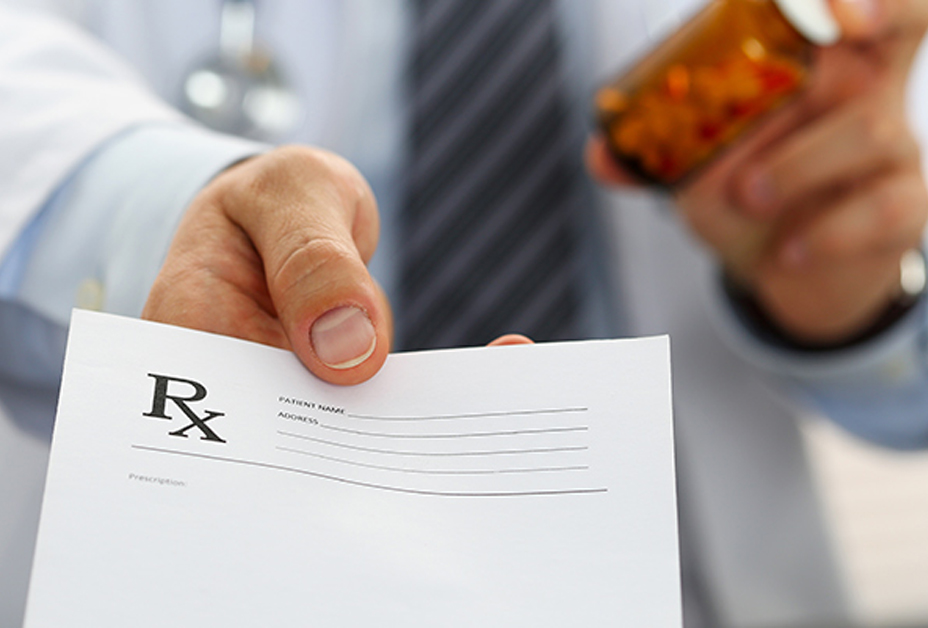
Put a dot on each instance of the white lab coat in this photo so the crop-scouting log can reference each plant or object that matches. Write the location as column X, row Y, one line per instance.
column 753, row 520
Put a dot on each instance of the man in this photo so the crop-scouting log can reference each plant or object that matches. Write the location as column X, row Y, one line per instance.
column 273, row 249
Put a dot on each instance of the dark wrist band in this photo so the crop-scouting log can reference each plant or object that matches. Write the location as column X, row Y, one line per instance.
column 913, row 275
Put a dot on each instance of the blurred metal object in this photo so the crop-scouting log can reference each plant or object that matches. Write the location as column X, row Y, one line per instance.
column 913, row 274
column 240, row 89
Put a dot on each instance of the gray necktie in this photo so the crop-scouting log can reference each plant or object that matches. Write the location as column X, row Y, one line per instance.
column 493, row 178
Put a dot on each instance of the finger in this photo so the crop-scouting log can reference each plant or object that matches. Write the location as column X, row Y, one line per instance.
column 602, row 165
column 837, row 150
column 212, row 280
column 511, row 339
column 888, row 215
column 312, row 219
column 888, row 39
column 867, row 20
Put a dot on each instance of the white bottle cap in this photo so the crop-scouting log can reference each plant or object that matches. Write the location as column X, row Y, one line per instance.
column 812, row 18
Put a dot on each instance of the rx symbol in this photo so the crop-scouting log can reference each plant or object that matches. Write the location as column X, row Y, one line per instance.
column 195, row 391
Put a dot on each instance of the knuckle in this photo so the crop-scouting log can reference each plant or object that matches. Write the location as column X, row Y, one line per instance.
column 276, row 171
column 278, row 168
column 313, row 265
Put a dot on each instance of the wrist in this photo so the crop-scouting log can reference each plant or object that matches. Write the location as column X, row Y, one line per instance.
column 910, row 289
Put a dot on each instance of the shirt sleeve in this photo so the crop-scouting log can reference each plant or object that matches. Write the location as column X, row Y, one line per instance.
column 94, row 173
column 101, row 238
column 63, row 95
column 877, row 389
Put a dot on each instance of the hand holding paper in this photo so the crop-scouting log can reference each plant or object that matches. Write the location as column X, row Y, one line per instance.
column 274, row 251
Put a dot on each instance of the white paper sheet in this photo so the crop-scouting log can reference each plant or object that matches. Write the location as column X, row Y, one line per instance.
column 198, row 480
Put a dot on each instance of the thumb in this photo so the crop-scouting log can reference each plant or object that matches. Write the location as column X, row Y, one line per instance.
column 313, row 220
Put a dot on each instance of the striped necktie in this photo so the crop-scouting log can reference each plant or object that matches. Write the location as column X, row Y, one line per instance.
column 492, row 190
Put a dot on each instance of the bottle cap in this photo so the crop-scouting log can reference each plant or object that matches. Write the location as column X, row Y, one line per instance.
column 812, row 18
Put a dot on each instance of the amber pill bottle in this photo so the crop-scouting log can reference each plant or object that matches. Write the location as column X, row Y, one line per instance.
column 709, row 82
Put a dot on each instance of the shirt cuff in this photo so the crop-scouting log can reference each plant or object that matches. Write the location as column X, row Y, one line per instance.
column 876, row 389
column 101, row 239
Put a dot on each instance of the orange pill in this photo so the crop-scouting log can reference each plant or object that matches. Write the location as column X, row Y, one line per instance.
column 678, row 82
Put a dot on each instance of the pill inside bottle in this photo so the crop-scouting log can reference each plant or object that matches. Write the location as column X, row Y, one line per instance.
column 708, row 83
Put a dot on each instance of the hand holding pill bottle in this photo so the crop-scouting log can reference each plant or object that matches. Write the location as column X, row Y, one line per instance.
column 710, row 82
